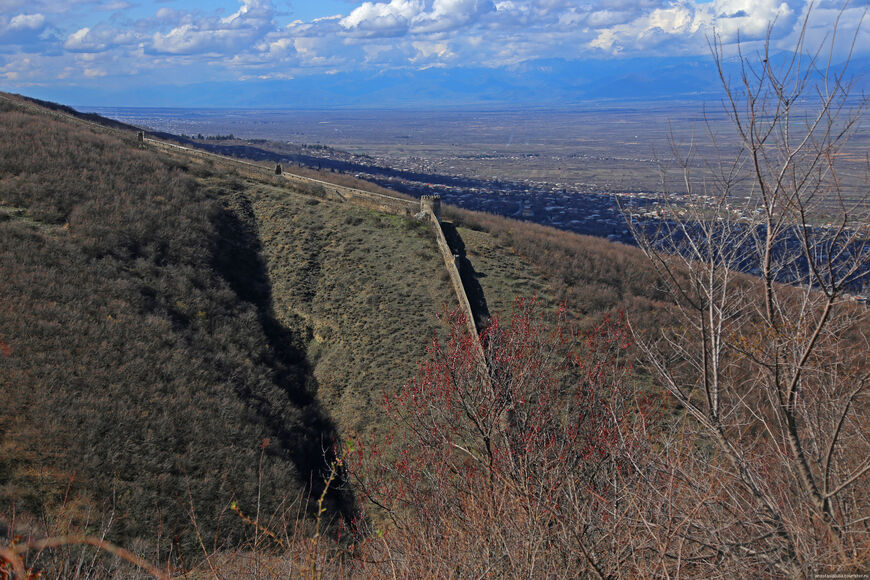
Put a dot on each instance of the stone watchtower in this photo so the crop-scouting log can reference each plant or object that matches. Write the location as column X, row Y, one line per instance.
column 431, row 203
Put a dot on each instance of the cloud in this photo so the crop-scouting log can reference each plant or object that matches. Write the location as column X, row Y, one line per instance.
column 450, row 14
column 115, row 6
column 23, row 29
column 603, row 18
column 43, row 6
column 689, row 24
column 252, row 41
column 188, row 39
column 92, row 72
column 16, row 70
column 78, row 39
column 244, row 28
column 383, row 19
column 99, row 39
column 853, row 26
column 750, row 19
column 27, row 22
column 431, row 53
column 399, row 17
column 169, row 15
column 281, row 48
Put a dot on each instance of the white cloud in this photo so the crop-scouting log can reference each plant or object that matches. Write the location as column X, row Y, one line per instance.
column 115, row 6
column 26, row 22
column 281, row 48
column 166, row 13
column 690, row 23
column 751, row 18
column 317, row 51
column 16, row 70
column 43, row 6
column 249, row 10
column 383, row 19
column 853, row 25
column 649, row 29
column 23, row 30
column 243, row 29
column 184, row 39
column 93, row 73
column 326, row 18
column 429, row 52
column 601, row 18
column 77, row 39
column 399, row 17
column 450, row 14
column 99, row 39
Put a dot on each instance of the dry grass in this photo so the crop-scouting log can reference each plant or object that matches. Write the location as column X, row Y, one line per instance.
column 365, row 288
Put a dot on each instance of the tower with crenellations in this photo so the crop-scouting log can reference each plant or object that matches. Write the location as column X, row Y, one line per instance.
column 432, row 204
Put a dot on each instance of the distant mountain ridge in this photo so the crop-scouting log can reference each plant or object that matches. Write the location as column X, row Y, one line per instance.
column 544, row 82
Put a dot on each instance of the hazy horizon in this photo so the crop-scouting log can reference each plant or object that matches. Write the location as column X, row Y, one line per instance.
column 393, row 54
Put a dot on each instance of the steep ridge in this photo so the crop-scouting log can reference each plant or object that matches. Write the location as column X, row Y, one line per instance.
column 139, row 382
column 164, row 322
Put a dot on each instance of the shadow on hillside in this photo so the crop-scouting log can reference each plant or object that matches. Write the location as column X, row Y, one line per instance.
column 473, row 289
column 310, row 443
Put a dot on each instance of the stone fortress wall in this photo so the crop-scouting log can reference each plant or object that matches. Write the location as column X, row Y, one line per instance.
column 431, row 206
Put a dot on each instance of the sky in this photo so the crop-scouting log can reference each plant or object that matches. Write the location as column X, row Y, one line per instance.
column 231, row 52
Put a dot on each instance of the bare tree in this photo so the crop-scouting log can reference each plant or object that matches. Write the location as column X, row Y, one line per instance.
column 767, row 467
column 514, row 468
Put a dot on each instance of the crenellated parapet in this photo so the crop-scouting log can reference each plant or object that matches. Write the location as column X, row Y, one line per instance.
column 431, row 204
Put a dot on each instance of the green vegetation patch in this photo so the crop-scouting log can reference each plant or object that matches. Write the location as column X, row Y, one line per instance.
column 591, row 276
column 502, row 274
column 365, row 287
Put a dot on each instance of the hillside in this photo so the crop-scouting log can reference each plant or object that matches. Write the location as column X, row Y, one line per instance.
column 134, row 371
column 146, row 354
column 165, row 318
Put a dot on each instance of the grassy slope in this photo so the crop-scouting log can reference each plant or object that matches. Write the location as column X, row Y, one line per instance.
column 501, row 272
column 365, row 287
column 590, row 276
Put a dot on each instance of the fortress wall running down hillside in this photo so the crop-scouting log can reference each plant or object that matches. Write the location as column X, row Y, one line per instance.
column 376, row 201
column 244, row 168
column 371, row 200
column 455, row 278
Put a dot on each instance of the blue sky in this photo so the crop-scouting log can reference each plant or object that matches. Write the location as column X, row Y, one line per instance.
column 73, row 50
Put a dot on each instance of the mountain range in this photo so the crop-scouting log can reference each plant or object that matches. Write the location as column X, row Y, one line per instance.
column 537, row 83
